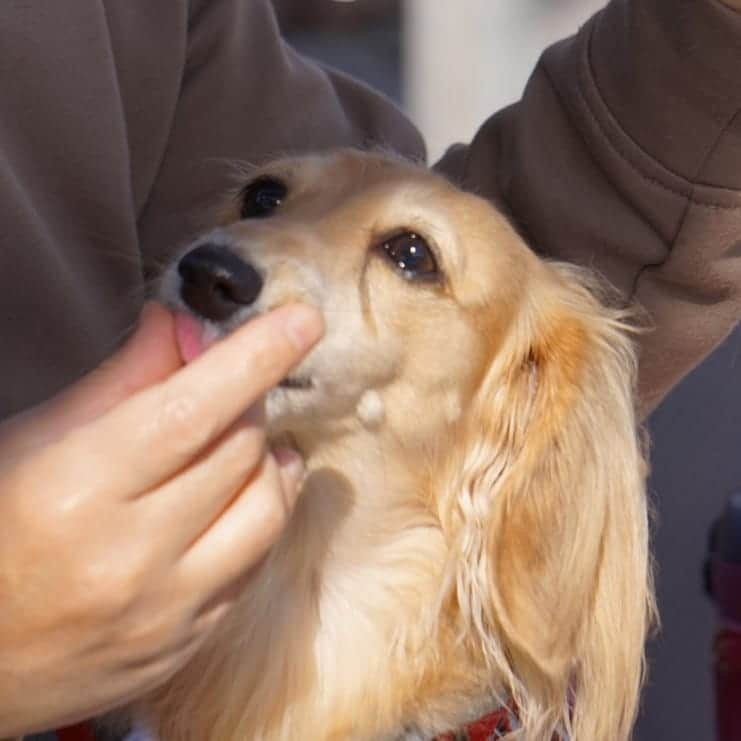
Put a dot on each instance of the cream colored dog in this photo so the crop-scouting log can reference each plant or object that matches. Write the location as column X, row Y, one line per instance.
column 472, row 529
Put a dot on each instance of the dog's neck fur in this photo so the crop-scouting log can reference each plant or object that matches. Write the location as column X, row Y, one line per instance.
column 365, row 538
column 318, row 640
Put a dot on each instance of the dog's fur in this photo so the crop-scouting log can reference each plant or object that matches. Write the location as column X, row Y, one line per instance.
column 472, row 527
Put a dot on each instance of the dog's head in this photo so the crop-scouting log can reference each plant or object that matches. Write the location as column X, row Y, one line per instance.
column 501, row 377
column 399, row 263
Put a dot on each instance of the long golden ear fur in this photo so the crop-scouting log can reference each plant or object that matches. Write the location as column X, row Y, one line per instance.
column 550, row 567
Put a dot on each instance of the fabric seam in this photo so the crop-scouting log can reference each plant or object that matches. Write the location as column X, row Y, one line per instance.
column 624, row 156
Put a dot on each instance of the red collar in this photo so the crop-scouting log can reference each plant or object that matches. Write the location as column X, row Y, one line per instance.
column 489, row 728
column 79, row 732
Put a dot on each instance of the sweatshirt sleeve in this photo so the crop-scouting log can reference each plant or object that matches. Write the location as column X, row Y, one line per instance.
column 246, row 96
column 624, row 154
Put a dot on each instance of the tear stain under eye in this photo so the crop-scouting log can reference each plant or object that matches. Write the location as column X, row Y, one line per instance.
column 366, row 309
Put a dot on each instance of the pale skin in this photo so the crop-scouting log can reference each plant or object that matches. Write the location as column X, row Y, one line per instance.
column 133, row 506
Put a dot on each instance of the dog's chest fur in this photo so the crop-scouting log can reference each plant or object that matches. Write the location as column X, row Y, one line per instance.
column 334, row 637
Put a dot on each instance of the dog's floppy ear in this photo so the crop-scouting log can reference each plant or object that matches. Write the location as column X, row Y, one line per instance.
column 549, row 515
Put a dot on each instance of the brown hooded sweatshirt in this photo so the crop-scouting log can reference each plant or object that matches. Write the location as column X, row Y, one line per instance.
column 119, row 118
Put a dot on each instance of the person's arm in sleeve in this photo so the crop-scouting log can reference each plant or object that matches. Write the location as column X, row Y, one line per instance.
column 624, row 154
column 247, row 96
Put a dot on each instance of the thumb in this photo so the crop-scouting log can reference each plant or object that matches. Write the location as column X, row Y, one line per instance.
column 149, row 356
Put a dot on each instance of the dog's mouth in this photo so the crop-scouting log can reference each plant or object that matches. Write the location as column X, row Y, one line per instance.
column 297, row 383
column 192, row 341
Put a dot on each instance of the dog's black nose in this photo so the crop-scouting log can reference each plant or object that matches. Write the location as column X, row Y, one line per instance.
column 217, row 283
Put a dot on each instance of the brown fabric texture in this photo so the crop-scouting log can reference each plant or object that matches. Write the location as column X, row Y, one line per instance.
column 624, row 155
column 120, row 121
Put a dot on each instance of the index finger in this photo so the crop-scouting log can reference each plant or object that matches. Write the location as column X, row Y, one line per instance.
column 158, row 431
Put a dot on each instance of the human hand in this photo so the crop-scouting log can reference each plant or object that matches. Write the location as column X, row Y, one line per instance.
column 132, row 507
column 734, row 4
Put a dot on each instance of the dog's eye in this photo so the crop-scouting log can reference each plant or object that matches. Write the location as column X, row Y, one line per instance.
column 260, row 198
column 412, row 256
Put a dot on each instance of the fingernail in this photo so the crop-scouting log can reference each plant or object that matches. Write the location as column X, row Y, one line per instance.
column 303, row 325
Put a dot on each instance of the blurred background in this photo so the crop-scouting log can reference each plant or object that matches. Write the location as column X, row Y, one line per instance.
column 450, row 65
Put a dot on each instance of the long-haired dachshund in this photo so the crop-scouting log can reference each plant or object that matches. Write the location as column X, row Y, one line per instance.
column 472, row 529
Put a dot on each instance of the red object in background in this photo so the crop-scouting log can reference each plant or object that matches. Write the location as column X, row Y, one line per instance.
column 728, row 684
column 80, row 732
column 723, row 584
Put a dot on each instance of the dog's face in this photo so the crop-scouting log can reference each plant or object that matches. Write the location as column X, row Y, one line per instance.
column 415, row 279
